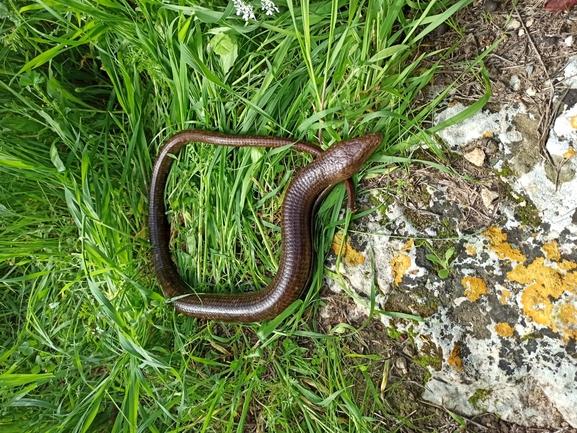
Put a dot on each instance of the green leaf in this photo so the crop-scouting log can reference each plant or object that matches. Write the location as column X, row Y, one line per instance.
column 226, row 47
column 458, row 418
column 269, row 327
column 106, row 306
column 4, row 14
column 44, row 57
column 56, row 159
column 32, row 78
column 443, row 273
column 22, row 379
column 397, row 315
column 388, row 52
column 433, row 258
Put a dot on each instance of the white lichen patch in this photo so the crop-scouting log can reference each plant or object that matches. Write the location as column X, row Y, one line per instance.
column 482, row 124
column 556, row 204
column 517, row 372
column 397, row 217
column 373, row 275
column 570, row 73
column 475, row 127
column 514, row 368
column 379, row 272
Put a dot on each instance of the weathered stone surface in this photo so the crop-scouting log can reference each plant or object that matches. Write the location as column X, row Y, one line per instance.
column 504, row 321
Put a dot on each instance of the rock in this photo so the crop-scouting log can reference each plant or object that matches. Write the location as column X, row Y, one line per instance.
column 513, row 25
column 511, row 349
column 401, row 366
column 515, row 83
column 476, row 156
column 488, row 196
column 490, row 5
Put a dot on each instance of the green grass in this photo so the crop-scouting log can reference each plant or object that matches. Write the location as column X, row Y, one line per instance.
column 89, row 91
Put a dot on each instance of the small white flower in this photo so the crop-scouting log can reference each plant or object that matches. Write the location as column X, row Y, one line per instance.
column 243, row 9
column 269, row 7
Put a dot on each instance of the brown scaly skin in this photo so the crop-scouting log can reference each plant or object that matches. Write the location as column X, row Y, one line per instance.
column 304, row 194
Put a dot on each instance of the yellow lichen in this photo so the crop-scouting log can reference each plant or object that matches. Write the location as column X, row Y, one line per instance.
column 503, row 249
column 400, row 264
column 471, row 250
column 474, row 288
column 568, row 315
column 542, row 299
column 551, row 250
column 571, row 281
column 408, row 245
column 504, row 329
column 505, row 295
column 573, row 122
column 570, row 152
column 351, row 256
column 454, row 359
column 566, row 265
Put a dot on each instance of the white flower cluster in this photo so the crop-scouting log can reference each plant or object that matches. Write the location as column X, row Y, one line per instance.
column 246, row 11
column 268, row 7
column 243, row 9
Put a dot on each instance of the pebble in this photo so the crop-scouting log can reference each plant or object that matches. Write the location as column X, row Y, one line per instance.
column 401, row 366
column 490, row 5
column 515, row 83
column 488, row 196
column 476, row 156
column 442, row 29
column 513, row 25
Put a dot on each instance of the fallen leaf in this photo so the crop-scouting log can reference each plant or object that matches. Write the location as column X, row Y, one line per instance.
column 559, row 5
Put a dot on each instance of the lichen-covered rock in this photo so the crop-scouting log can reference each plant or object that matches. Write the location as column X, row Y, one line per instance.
column 501, row 312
